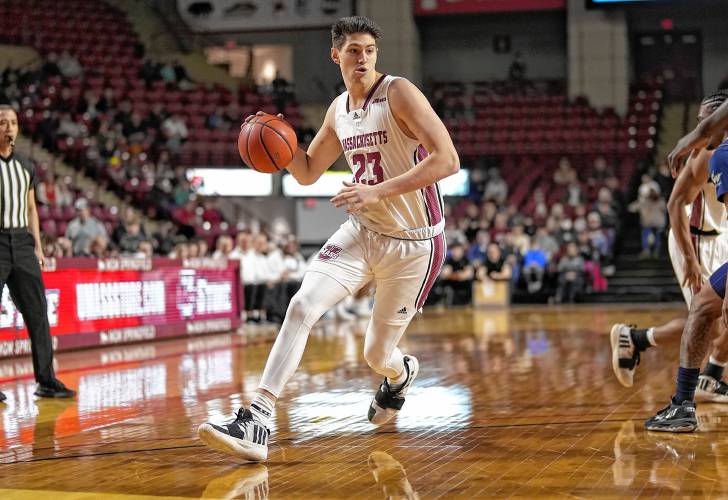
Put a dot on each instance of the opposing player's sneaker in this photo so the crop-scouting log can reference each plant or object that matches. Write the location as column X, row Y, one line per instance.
column 674, row 418
column 389, row 399
column 242, row 437
column 711, row 390
column 625, row 357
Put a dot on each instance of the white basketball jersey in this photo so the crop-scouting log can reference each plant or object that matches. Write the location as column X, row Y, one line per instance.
column 706, row 212
column 376, row 150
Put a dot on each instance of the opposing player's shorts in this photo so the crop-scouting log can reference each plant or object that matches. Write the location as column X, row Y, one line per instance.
column 403, row 270
column 712, row 253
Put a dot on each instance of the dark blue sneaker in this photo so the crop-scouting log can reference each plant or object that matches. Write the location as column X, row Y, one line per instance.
column 674, row 418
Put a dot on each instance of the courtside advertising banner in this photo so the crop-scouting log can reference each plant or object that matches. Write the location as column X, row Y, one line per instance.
column 113, row 301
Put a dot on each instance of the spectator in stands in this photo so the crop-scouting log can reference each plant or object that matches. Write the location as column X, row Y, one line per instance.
column 68, row 127
column 145, row 251
column 203, row 247
column 534, row 267
column 457, row 277
column 565, row 174
column 652, row 209
column 517, row 70
column 606, row 210
column 52, row 193
column 574, row 195
column 175, row 132
column 223, row 247
column 217, row 120
column 129, row 217
column 84, row 228
column 495, row 266
column 50, row 66
column 69, row 65
column 571, row 275
column 164, row 239
column 601, row 171
column 496, row 188
column 294, row 266
column 99, row 247
column 478, row 249
column 664, row 179
column 133, row 236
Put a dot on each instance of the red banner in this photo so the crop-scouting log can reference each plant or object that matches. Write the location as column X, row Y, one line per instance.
column 112, row 301
column 436, row 7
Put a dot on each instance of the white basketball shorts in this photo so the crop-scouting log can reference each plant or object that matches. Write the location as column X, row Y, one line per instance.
column 712, row 252
column 403, row 270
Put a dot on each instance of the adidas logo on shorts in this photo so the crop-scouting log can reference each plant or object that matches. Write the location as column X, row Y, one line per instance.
column 403, row 310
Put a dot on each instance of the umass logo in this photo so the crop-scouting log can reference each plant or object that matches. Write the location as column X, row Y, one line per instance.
column 329, row 252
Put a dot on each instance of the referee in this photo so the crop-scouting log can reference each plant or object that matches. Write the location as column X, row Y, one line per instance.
column 21, row 255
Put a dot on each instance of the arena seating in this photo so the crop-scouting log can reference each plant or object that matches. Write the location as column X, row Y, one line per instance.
column 100, row 37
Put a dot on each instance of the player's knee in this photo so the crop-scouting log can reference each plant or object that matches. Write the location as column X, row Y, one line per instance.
column 706, row 303
column 301, row 310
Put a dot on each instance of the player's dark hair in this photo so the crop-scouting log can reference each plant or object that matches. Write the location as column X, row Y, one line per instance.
column 350, row 25
column 715, row 99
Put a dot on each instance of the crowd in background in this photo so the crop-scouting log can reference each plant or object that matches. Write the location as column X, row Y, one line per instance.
column 554, row 250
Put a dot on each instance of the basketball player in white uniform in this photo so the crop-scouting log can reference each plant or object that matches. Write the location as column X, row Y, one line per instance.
column 398, row 149
column 698, row 245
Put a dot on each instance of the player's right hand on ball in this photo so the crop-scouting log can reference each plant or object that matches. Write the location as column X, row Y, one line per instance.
column 259, row 113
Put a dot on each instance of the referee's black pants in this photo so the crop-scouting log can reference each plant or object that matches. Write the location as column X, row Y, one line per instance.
column 20, row 270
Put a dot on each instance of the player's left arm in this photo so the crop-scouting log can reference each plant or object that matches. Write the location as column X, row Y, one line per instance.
column 419, row 121
column 34, row 226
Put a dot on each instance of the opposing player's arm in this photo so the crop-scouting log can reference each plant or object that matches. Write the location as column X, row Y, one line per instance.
column 308, row 166
column 707, row 132
column 688, row 185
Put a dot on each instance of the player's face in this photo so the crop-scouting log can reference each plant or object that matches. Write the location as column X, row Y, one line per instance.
column 356, row 57
column 8, row 126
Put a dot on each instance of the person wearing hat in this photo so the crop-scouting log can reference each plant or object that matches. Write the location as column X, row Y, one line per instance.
column 21, row 255
column 83, row 229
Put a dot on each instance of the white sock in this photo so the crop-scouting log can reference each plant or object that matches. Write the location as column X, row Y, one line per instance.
column 714, row 361
column 262, row 408
column 651, row 336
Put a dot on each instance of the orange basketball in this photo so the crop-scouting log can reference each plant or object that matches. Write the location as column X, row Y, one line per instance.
column 267, row 143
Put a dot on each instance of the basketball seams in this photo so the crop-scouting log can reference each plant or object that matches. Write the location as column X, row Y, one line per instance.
column 266, row 124
column 265, row 148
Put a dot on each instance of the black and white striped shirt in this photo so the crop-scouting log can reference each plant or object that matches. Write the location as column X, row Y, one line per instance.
column 17, row 177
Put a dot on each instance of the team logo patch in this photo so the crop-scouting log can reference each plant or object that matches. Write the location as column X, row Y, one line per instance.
column 329, row 252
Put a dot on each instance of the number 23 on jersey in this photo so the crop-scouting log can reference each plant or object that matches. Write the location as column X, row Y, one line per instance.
column 368, row 168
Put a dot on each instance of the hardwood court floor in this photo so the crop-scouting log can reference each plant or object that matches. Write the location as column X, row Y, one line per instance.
column 518, row 403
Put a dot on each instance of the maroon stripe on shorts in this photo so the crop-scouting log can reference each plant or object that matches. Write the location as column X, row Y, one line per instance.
column 438, row 258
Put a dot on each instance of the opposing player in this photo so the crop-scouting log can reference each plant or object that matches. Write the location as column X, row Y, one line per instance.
column 707, row 305
column 698, row 244
column 398, row 149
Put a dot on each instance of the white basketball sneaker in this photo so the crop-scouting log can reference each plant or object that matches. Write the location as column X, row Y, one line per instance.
column 625, row 357
column 711, row 390
column 242, row 437
column 389, row 399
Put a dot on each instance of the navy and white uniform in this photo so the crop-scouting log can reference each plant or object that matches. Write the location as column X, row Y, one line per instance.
column 719, row 177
